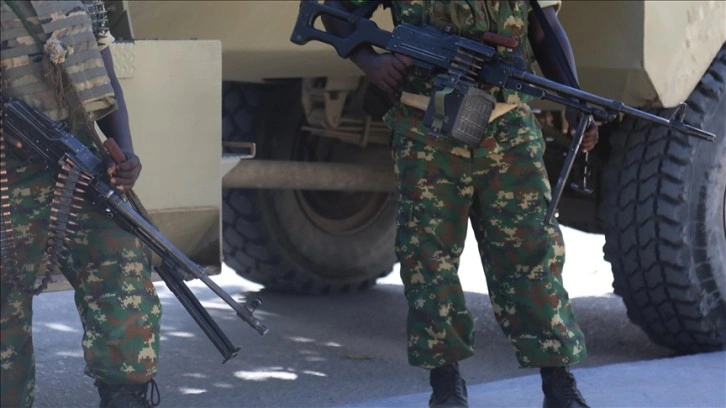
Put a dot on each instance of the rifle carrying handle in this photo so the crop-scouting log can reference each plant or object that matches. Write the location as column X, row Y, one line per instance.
column 116, row 154
column 500, row 40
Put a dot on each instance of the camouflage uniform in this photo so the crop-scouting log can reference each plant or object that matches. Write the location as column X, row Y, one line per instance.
column 502, row 187
column 107, row 267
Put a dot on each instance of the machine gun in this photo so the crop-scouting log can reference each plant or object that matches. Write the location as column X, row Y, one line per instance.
column 62, row 152
column 458, row 108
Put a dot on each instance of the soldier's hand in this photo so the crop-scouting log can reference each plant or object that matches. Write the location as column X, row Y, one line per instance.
column 386, row 71
column 11, row 140
column 591, row 136
column 123, row 175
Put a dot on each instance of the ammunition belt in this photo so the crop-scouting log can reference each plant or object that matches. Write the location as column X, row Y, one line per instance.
column 63, row 211
column 8, row 257
column 65, row 199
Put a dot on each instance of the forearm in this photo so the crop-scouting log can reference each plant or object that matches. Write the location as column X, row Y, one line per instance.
column 116, row 124
column 546, row 57
column 361, row 55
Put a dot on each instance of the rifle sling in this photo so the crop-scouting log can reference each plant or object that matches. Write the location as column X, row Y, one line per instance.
column 553, row 45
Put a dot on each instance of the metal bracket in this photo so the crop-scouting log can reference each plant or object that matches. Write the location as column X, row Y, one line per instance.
column 250, row 147
column 325, row 102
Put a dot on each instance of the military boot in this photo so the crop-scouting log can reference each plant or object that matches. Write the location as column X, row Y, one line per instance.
column 449, row 388
column 144, row 395
column 560, row 389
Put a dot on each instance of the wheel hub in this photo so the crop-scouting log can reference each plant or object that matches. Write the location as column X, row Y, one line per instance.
column 342, row 213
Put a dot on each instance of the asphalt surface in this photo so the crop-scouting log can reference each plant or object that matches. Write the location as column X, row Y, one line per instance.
column 348, row 350
column 697, row 381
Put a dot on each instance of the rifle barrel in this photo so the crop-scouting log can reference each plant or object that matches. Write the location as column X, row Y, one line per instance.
column 610, row 105
column 175, row 257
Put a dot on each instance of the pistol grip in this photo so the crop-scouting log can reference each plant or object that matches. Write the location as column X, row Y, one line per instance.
column 500, row 40
column 116, row 154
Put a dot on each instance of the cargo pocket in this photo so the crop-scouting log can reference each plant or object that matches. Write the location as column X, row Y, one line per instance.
column 407, row 231
column 405, row 217
column 516, row 127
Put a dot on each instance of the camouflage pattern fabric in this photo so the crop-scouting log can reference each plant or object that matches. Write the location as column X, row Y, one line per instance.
column 503, row 189
column 107, row 266
column 110, row 273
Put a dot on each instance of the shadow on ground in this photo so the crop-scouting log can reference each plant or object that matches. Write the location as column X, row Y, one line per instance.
column 321, row 351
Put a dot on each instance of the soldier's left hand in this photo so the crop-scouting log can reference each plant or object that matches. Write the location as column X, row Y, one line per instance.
column 124, row 175
column 591, row 136
column 11, row 140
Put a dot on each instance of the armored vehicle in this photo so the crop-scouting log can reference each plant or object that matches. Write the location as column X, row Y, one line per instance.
column 313, row 211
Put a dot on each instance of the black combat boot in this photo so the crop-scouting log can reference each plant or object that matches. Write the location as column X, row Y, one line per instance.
column 449, row 388
column 144, row 395
column 560, row 389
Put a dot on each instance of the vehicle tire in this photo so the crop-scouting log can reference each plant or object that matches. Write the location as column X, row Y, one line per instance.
column 665, row 222
column 299, row 241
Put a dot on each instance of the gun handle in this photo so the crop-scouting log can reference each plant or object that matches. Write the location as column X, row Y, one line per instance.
column 116, row 154
column 500, row 40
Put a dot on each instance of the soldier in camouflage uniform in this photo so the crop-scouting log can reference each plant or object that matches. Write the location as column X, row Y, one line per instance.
column 56, row 58
column 501, row 186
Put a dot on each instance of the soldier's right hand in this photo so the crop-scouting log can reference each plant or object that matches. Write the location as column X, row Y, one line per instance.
column 386, row 71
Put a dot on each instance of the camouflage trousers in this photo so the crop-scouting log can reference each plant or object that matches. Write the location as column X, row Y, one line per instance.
column 110, row 274
column 502, row 188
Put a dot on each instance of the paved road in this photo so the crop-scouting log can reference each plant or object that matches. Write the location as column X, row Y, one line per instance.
column 326, row 351
column 696, row 381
